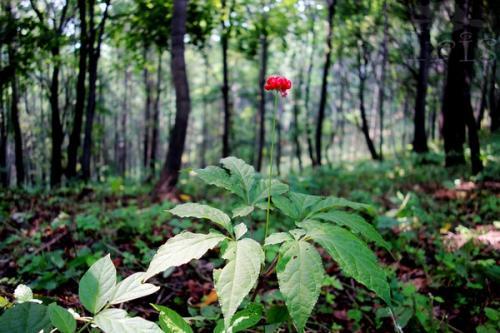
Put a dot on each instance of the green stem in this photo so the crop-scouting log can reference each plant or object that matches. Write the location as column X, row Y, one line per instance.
column 269, row 183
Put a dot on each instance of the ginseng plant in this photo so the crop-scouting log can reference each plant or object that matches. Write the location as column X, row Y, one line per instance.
column 335, row 224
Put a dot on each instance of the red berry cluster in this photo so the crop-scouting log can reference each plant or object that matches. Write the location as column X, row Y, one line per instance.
column 278, row 83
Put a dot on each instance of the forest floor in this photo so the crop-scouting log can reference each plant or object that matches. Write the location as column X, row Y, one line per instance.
column 444, row 231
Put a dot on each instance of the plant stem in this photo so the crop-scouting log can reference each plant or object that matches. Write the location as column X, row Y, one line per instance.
column 271, row 165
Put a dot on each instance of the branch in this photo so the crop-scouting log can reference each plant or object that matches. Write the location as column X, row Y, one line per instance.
column 37, row 11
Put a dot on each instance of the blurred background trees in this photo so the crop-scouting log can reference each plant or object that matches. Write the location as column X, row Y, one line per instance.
column 90, row 89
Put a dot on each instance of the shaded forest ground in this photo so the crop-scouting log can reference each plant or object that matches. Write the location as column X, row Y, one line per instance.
column 444, row 231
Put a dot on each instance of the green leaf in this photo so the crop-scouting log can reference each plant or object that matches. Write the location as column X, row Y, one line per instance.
column 335, row 203
column 300, row 276
column 240, row 230
column 277, row 238
column 131, row 288
column 62, row 319
column 296, row 204
column 171, row 321
column 242, row 211
column 239, row 276
column 118, row 321
column 214, row 175
column 242, row 174
column 260, row 191
column 356, row 223
column 25, row 318
column 203, row 212
column 353, row 256
column 98, row 284
column 242, row 320
column 181, row 249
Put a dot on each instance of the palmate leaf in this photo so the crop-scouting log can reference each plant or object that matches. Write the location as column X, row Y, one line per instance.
column 353, row 256
column 217, row 176
column 234, row 281
column 181, row 249
column 118, row 321
column 132, row 288
column 98, row 284
column 300, row 274
column 203, row 212
column 355, row 223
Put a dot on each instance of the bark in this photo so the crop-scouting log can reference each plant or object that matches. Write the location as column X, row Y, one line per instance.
column 262, row 98
column 457, row 108
column 4, row 176
column 494, row 100
column 424, row 37
column 95, row 41
column 310, row 148
column 76, row 132
column 147, row 109
column 156, row 118
column 122, row 160
column 381, row 90
column 226, row 30
column 14, row 101
column 170, row 172
column 57, row 134
column 484, row 95
column 324, row 83
column 296, row 125
column 362, row 66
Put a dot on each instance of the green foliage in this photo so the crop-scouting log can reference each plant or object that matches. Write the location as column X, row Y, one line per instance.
column 25, row 318
column 171, row 321
column 61, row 319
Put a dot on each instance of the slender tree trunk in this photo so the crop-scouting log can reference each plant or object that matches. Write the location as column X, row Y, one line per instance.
column 457, row 106
column 147, row 109
column 95, row 41
column 123, row 124
column 4, row 176
column 226, row 146
column 310, row 147
column 296, row 125
column 381, row 91
column 204, row 120
column 324, row 83
column 262, row 99
column 494, row 101
column 57, row 134
column 420, row 135
column 14, row 111
column 76, row 133
column 362, row 65
column 170, row 173
column 156, row 117
column 484, row 95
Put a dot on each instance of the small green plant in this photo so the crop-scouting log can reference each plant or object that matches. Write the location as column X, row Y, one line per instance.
column 329, row 222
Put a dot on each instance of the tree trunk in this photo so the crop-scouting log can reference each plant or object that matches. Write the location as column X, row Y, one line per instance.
column 122, row 161
column 262, row 99
column 226, row 146
column 76, row 133
column 170, row 172
column 420, row 135
column 457, row 106
column 381, row 90
column 147, row 109
column 296, row 125
column 324, row 83
column 310, row 148
column 95, row 40
column 494, row 101
column 57, row 134
column 14, row 111
column 362, row 65
column 156, row 117
column 4, row 176
column 484, row 95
